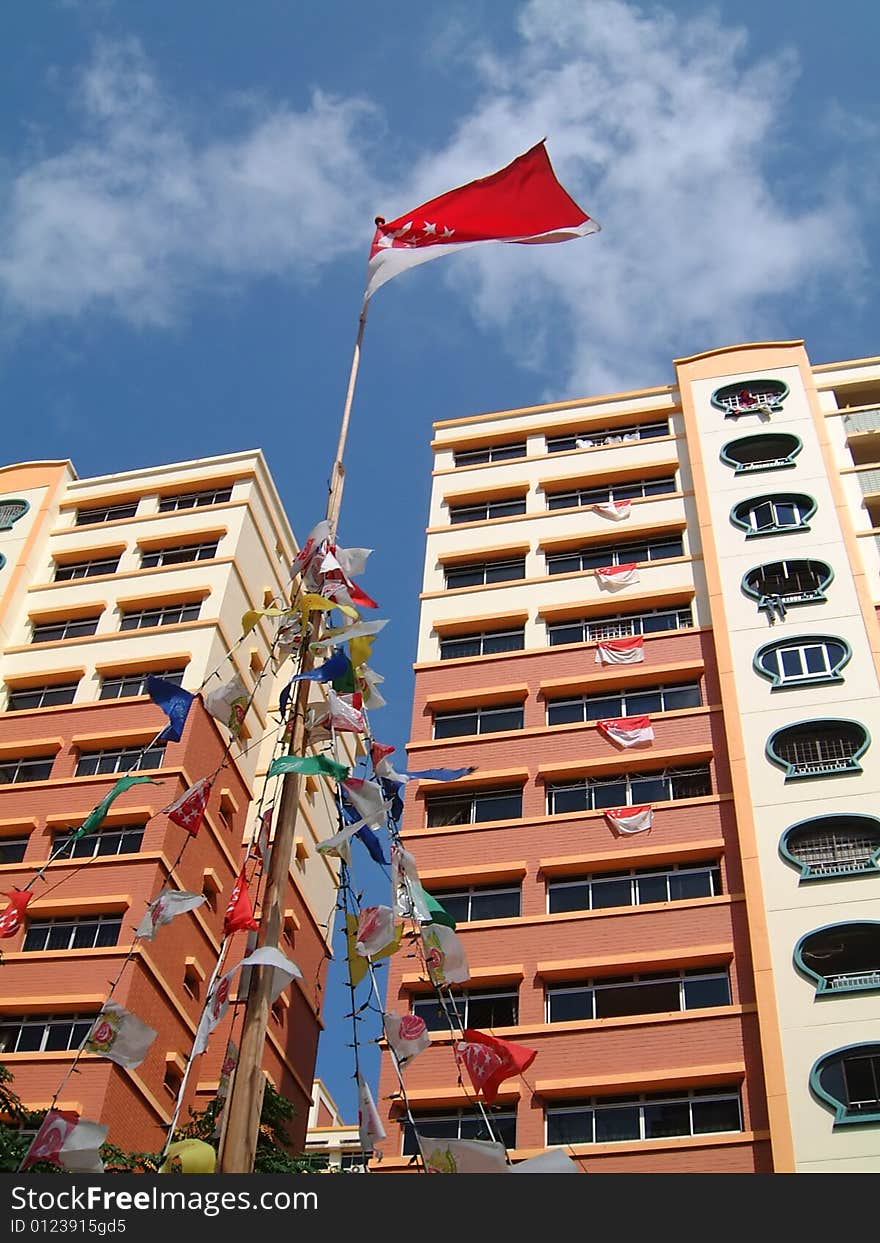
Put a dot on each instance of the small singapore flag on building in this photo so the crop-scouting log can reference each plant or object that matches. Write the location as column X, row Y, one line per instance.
column 628, row 651
column 627, row 731
column 522, row 202
column 615, row 576
column 616, row 510
column 630, row 819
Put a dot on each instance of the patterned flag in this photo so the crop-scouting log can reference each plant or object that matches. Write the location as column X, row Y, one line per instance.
column 616, row 510
column 239, row 913
column 57, row 1125
column 523, row 202
column 615, row 576
column 312, row 549
column 264, row 835
column 444, row 955
column 357, row 964
column 164, row 908
column 628, row 651
column 120, row 1036
column 337, row 584
column 370, row 1128
column 375, row 929
column 189, row 810
column 407, row 1035
column 12, row 918
column 216, row 1004
column 463, row 1156
column 367, row 799
column 174, row 701
column 490, row 1061
column 229, row 704
column 630, row 819
column 342, row 713
column 628, row 731
column 314, row 765
column 96, row 816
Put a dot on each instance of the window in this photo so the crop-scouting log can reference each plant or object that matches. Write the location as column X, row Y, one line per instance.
column 812, row 658
column 47, row 696
column 106, row 513
column 480, row 573
column 474, row 807
column 29, row 768
column 750, row 397
column 780, row 584
column 837, row 845
column 635, row 887
column 173, row 1079
column 194, row 500
column 44, row 1033
column 842, row 958
column 461, row 1124
column 10, row 512
column 623, row 703
column 485, row 643
column 120, row 759
column 489, row 453
column 478, row 720
column 818, row 748
column 73, row 628
column 356, row 1161
column 484, row 510
column 658, row 992
column 179, row 554
column 596, row 555
column 491, row 1007
column 85, row 933
column 627, row 789
column 161, row 615
column 68, row 570
column 650, row 1115
column 771, row 451
column 849, row 1081
column 619, row 625
column 12, row 849
column 123, row 685
column 611, row 492
column 480, row 902
column 595, row 438
column 123, row 839
column 773, row 515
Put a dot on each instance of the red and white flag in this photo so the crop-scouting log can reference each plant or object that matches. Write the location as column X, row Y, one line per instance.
column 375, row 929
column 189, row 810
column 164, row 908
column 523, row 202
column 57, row 1125
column 239, row 913
column 490, row 1061
column 615, row 576
column 119, row 1035
column 613, row 509
column 70, row 1141
column 407, row 1035
column 630, row 819
column 12, row 918
column 630, row 651
column 628, row 731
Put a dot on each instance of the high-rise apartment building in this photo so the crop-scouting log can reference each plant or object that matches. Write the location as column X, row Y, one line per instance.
column 685, row 925
column 102, row 582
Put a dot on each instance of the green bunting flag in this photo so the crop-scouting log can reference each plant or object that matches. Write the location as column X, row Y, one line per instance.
column 439, row 914
column 310, row 765
column 95, row 817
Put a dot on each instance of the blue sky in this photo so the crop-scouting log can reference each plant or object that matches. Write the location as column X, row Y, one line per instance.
column 186, row 203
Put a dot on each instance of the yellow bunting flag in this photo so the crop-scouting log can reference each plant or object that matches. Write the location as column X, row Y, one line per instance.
column 252, row 616
column 311, row 601
column 189, row 1156
column 359, row 650
column 357, row 964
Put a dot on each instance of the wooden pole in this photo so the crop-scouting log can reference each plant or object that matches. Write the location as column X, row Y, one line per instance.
column 246, row 1090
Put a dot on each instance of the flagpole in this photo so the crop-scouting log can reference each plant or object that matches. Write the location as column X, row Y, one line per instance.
column 246, row 1090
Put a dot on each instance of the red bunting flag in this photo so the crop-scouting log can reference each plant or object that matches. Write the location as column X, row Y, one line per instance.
column 46, row 1145
column 12, row 917
column 189, row 810
column 239, row 913
column 490, row 1061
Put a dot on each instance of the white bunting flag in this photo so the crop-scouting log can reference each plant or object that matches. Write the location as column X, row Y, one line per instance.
column 163, row 909
column 81, row 1150
column 616, row 576
column 407, row 1035
column 628, row 731
column 375, row 929
column 615, row 510
column 119, row 1036
column 628, row 651
column 463, row 1156
column 551, row 1161
column 367, row 798
column 229, row 704
column 630, row 819
column 444, row 955
column 370, row 1128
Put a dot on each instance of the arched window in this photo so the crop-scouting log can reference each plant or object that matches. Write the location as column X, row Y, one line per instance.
column 11, row 511
column 833, row 846
column 802, row 659
column 767, row 451
column 818, row 748
column 848, row 1081
column 773, row 515
column 779, row 584
column 759, row 397
column 842, row 958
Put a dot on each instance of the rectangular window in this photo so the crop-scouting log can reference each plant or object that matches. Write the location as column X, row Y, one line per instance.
column 489, row 453
column 47, row 696
column 478, row 721
column 67, row 571
column 480, row 902
column 161, row 615
column 486, row 643
column 29, row 768
column 591, row 439
column 86, row 933
column 861, row 1077
column 194, row 500
column 473, row 808
column 493, row 1007
column 634, row 702
column 635, row 887
column 593, row 556
column 632, row 490
column 481, row 573
column 120, row 759
column 43, row 1033
column 121, row 840
column 73, row 628
column 124, row 685
column 461, row 1124
column 105, row 513
column 485, row 510
column 627, row 789
column 619, row 625
column 655, row 993
column 12, row 849
column 650, row 1115
column 179, row 554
